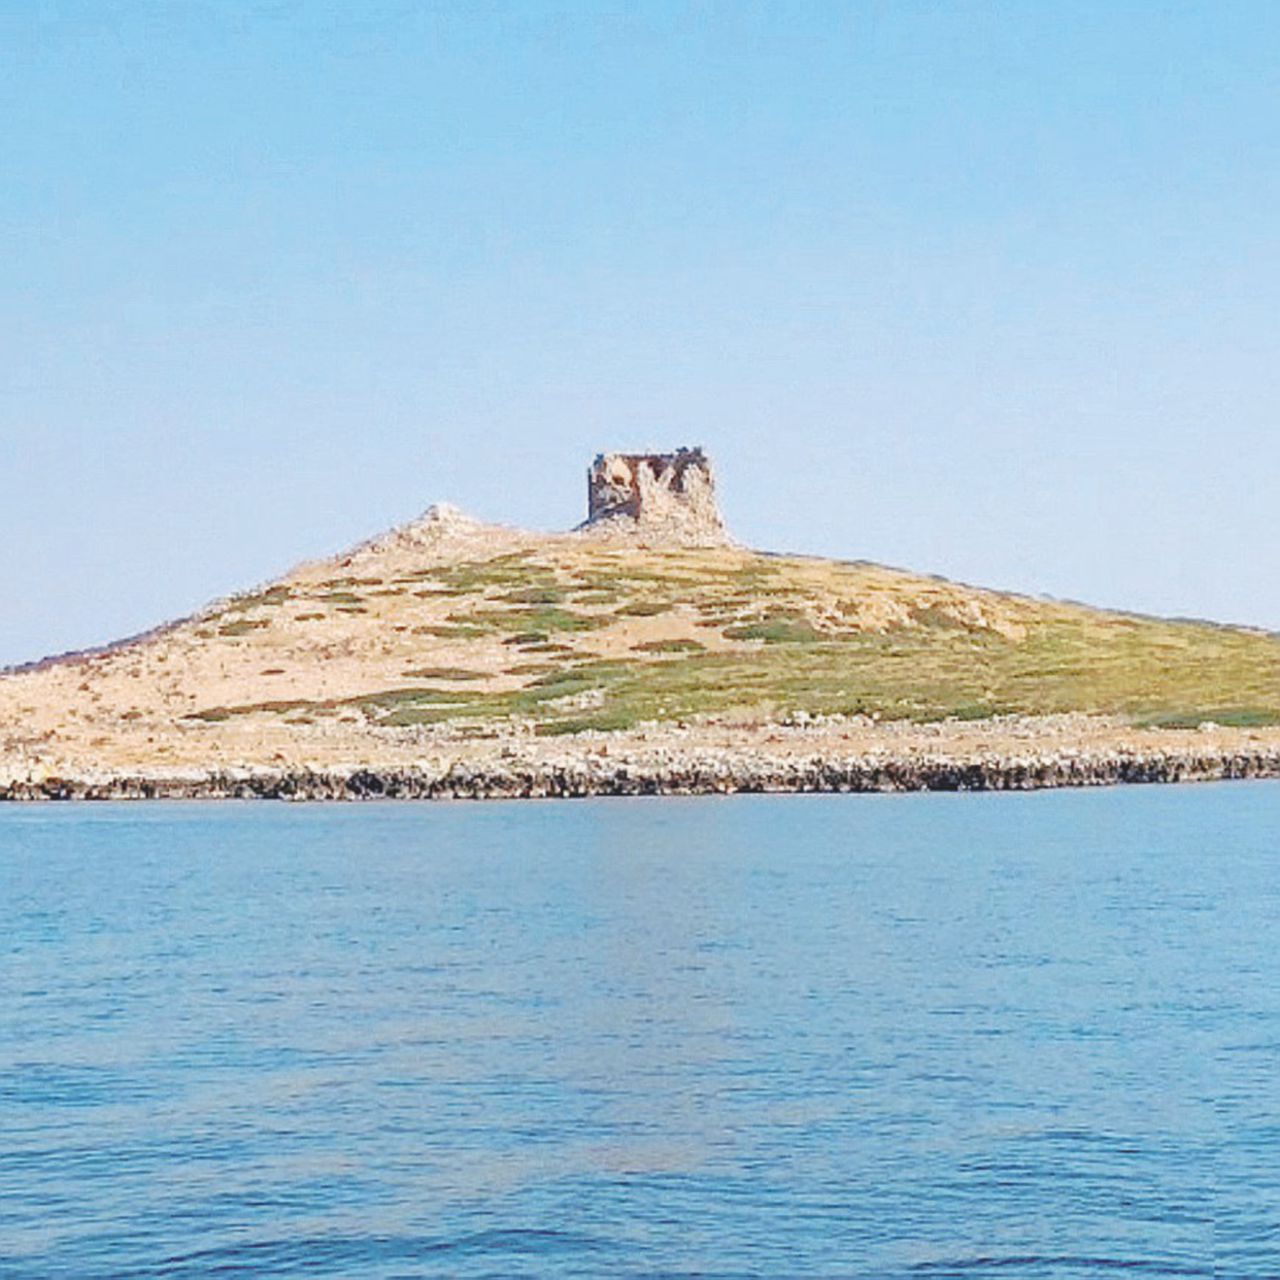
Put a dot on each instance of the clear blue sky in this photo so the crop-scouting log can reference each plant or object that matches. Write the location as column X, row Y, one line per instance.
column 984, row 289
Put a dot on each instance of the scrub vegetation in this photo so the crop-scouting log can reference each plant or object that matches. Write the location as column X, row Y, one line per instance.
column 628, row 635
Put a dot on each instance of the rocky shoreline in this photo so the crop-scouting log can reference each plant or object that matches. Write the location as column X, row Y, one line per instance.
column 695, row 773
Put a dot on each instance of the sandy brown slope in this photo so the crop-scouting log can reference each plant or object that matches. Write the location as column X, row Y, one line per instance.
column 451, row 637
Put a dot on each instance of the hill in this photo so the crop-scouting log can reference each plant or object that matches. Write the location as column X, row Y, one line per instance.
column 450, row 636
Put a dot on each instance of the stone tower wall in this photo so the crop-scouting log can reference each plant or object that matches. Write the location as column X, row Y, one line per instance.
column 658, row 497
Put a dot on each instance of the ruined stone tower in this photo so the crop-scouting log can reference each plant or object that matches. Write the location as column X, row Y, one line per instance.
column 655, row 497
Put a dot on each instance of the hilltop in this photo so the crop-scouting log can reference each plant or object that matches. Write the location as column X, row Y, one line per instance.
column 448, row 644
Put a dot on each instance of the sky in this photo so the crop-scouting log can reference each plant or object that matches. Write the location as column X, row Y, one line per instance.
column 981, row 289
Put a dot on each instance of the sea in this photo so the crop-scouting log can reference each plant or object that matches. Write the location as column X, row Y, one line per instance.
column 1030, row 1035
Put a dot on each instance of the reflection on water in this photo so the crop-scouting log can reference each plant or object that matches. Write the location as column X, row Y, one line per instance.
column 881, row 1036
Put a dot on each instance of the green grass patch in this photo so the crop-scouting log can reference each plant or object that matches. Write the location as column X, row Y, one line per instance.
column 592, row 596
column 536, row 618
column 444, row 673
column 218, row 714
column 644, row 609
column 453, row 631
column 603, row 722
column 1228, row 718
column 405, row 694
column 533, row 595
column 670, row 646
column 269, row 598
column 777, row 629
column 517, row 572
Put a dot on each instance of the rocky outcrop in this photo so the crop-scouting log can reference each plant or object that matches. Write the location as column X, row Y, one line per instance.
column 442, row 527
column 665, row 499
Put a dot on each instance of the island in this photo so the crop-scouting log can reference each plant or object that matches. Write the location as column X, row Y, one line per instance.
column 644, row 652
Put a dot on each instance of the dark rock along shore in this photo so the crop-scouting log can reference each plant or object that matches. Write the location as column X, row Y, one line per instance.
column 710, row 776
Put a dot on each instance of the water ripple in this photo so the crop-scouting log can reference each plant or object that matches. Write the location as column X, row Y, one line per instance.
column 876, row 1037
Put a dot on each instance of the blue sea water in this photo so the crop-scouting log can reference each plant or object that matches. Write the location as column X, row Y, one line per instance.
column 916, row 1036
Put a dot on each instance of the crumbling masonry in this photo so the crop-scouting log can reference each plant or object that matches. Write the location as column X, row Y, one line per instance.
column 666, row 498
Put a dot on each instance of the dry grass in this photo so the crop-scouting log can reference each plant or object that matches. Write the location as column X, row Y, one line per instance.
column 642, row 635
